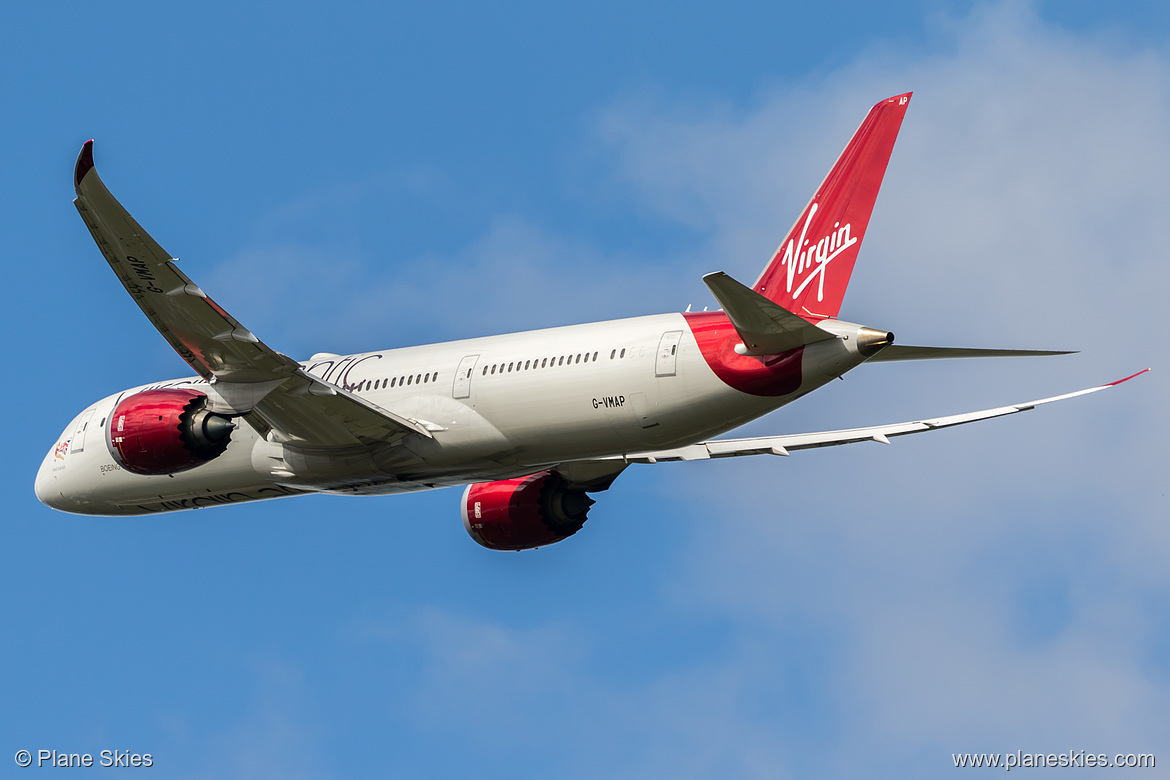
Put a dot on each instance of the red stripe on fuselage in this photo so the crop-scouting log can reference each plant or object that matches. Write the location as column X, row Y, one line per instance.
column 773, row 375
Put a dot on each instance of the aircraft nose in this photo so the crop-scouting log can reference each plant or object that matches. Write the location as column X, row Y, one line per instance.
column 54, row 489
column 46, row 487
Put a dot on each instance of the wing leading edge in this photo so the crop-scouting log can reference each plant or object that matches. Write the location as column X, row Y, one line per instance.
column 783, row 445
column 244, row 375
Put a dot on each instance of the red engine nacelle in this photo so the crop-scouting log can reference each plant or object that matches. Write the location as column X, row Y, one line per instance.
column 523, row 513
column 166, row 431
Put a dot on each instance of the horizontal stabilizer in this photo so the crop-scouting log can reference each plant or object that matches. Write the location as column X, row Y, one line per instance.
column 766, row 327
column 899, row 352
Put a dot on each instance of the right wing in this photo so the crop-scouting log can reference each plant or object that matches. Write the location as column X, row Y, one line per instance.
column 782, row 445
column 245, row 376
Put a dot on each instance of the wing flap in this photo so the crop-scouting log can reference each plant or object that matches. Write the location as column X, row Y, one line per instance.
column 338, row 417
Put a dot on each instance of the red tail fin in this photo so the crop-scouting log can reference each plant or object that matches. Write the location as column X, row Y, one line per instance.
column 808, row 274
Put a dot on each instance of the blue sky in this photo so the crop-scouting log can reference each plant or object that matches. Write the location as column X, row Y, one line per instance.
column 371, row 176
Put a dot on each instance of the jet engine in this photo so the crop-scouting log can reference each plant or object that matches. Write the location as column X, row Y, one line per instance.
column 166, row 431
column 524, row 513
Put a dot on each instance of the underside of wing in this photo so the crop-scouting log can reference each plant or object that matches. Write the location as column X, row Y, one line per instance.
column 783, row 445
column 208, row 338
column 245, row 377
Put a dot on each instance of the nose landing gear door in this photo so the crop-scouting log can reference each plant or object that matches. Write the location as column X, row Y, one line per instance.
column 462, row 387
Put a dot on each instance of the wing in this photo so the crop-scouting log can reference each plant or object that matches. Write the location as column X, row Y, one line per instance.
column 783, row 445
column 244, row 375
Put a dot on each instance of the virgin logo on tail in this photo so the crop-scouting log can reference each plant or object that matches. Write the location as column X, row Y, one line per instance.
column 834, row 225
column 802, row 255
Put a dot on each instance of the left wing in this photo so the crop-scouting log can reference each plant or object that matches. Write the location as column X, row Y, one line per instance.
column 244, row 375
column 782, row 445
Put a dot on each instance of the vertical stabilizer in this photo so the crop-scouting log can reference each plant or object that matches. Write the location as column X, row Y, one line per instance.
column 810, row 270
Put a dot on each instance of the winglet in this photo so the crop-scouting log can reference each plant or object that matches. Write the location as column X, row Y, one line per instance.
column 84, row 163
column 1131, row 376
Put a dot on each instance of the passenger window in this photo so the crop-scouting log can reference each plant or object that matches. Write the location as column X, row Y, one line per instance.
column 623, row 353
column 578, row 359
column 393, row 381
column 426, row 378
column 418, row 379
column 544, row 363
column 673, row 349
column 612, row 352
column 594, row 357
column 493, row 368
column 526, row 364
column 435, row 376
column 410, row 380
column 485, row 370
column 561, row 362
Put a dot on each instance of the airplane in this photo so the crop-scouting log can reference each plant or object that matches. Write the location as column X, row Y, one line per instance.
column 532, row 423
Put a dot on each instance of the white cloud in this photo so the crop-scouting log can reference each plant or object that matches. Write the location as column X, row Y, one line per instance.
column 1000, row 587
column 275, row 736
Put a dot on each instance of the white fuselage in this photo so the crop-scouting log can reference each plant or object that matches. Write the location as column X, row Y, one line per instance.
column 497, row 407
